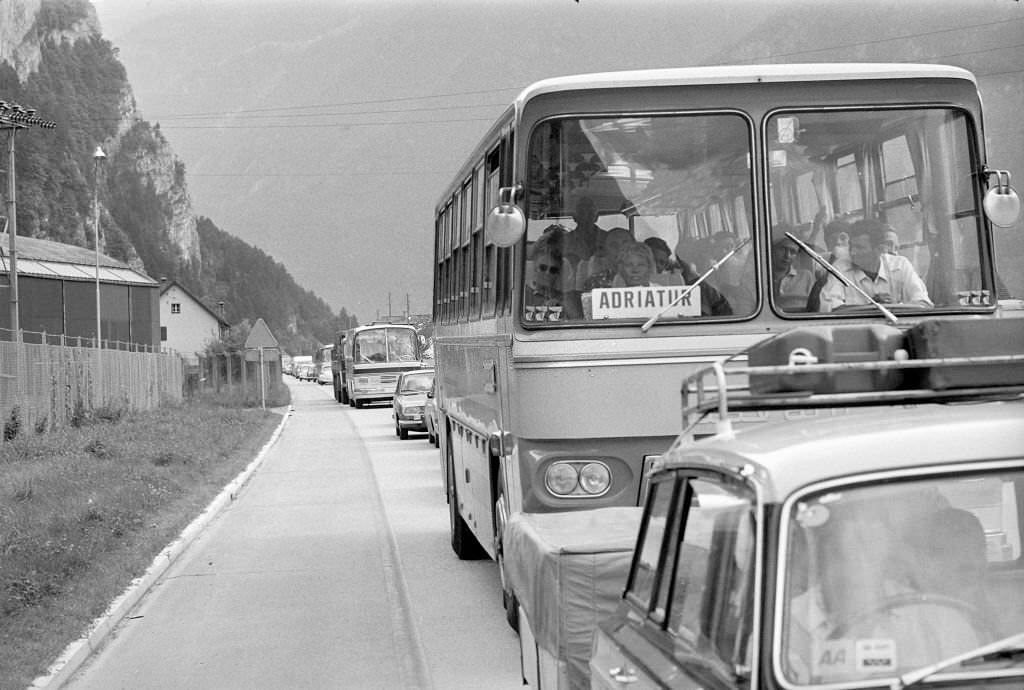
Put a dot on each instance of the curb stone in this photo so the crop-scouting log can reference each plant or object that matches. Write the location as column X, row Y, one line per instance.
column 76, row 653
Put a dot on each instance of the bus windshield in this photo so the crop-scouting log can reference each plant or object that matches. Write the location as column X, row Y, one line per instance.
column 886, row 193
column 625, row 214
column 385, row 345
column 625, row 211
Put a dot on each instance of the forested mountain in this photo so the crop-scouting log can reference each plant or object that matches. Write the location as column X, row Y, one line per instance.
column 53, row 59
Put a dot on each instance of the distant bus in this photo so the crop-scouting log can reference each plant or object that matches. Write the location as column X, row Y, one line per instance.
column 338, row 367
column 374, row 356
column 563, row 402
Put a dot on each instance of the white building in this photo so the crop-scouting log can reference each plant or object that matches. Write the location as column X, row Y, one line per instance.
column 186, row 324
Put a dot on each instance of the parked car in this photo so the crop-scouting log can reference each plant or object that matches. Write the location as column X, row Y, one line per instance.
column 430, row 414
column 879, row 547
column 409, row 400
column 325, row 376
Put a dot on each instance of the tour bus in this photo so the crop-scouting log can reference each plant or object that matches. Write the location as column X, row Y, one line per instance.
column 558, row 372
column 338, row 366
column 374, row 356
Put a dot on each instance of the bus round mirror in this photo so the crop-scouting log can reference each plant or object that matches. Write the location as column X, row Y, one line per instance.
column 505, row 225
column 1002, row 206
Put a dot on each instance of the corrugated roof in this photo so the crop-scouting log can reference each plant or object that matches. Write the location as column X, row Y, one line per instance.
column 48, row 259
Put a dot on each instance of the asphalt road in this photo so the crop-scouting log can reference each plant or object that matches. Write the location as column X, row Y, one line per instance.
column 331, row 569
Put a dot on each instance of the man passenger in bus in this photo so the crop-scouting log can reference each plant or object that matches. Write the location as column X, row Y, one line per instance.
column 712, row 303
column 892, row 242
column 586, row 232
column 888, row 278
column 791, row 286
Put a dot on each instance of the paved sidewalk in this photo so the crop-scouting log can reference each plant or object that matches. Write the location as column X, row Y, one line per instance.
column 290, row 585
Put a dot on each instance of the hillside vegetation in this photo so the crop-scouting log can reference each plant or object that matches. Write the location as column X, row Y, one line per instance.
column 146, row 218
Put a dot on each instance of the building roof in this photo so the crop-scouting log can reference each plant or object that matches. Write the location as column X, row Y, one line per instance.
column 47, row 259
column 167, row 285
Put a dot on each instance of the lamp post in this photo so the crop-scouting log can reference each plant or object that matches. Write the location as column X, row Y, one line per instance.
column 97, row 158
column 12, row 118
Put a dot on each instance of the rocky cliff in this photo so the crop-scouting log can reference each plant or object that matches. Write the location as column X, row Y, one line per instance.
column 65, row 70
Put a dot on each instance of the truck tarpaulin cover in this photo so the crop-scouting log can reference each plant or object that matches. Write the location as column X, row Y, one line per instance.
column 568, row 571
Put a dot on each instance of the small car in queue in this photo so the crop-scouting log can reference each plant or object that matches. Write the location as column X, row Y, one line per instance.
column 325, row 374
column 879, row 546
column 409, row 400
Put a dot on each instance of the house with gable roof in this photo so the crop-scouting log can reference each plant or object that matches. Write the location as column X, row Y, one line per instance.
column 186, row 324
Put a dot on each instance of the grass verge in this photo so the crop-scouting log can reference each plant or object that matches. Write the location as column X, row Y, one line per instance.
column 84, row 511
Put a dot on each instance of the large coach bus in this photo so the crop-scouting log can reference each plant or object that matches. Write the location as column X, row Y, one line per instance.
column 559, row 356
column 374, row 356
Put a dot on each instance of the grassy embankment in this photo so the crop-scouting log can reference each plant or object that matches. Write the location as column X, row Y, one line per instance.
column 85, row 510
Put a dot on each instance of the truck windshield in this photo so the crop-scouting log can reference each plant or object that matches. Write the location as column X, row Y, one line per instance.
column 880, row 580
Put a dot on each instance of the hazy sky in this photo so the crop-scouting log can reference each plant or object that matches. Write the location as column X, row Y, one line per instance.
column 323, row 131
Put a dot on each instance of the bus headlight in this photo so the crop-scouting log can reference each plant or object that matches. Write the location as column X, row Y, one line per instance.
column 595, row 478
column 561, row 478
column 581, row 478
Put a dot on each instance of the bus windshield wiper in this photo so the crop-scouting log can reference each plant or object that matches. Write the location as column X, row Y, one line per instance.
column 690, row 288
column 842, row 278
column 1008, row 646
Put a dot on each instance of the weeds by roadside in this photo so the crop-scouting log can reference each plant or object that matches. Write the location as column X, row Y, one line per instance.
column 84, row 510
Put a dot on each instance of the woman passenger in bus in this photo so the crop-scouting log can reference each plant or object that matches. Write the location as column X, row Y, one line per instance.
column 636, row 266
column 665, row 272
column 546, row 287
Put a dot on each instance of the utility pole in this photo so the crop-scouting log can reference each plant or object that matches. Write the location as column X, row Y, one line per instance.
column 12, row 118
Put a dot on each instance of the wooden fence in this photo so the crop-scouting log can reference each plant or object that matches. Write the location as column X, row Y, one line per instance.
column 49, row 386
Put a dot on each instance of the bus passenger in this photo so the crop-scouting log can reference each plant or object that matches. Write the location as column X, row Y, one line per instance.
column 734, row 279
column 636, row 266
column 837, row 242
column 666, row 273
column 586, row 233
column 599, row 270
column 546, row 287
column 888, row 278
column 791, row 286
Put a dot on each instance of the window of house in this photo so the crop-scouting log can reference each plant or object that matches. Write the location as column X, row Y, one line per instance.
column 175, row 308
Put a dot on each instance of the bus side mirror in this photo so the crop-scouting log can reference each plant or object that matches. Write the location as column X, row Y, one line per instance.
column 1001, row 203
column 505, row 224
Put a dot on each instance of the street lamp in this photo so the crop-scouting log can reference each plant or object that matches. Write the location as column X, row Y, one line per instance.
column 97, row 158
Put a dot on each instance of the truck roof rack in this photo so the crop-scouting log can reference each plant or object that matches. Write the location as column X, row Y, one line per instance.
column 782, row 374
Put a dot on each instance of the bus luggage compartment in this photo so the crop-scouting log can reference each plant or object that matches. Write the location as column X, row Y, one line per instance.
column 937, row 338
column 828, row 345
column 568, row 571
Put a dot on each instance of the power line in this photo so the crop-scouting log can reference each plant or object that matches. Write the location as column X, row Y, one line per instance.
column 329, row 125
column 352, row 103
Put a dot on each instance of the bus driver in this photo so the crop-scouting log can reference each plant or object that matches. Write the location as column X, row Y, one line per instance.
column 888, row 278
